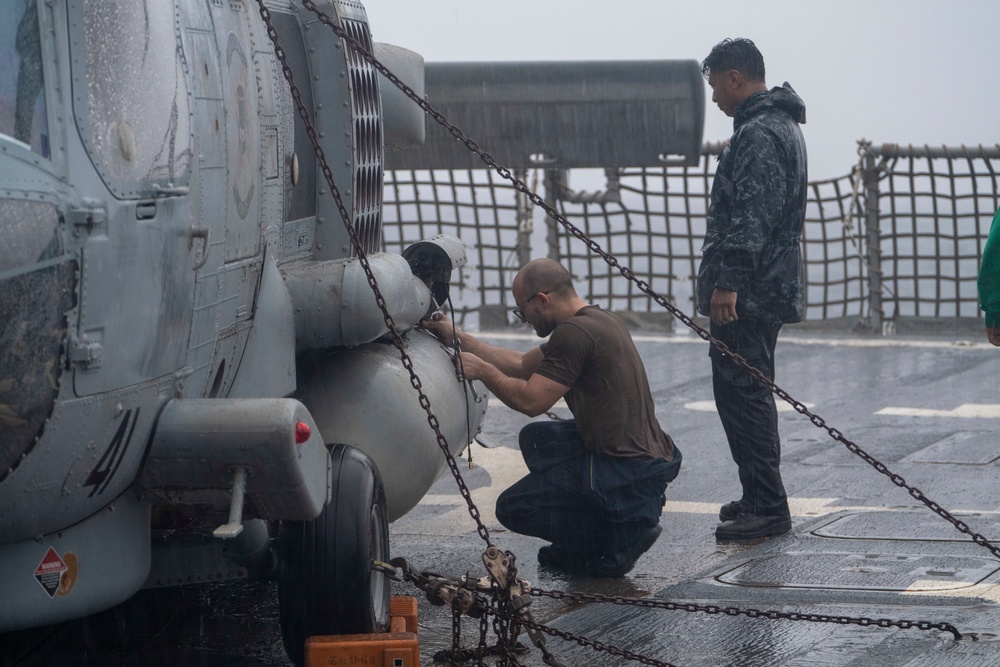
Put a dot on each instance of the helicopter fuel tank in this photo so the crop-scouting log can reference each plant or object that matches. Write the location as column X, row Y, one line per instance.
column 382, row 418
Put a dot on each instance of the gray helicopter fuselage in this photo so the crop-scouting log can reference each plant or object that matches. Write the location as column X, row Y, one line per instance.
column 169, row 240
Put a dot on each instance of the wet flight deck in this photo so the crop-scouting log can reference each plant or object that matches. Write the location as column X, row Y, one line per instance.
column 861, row 547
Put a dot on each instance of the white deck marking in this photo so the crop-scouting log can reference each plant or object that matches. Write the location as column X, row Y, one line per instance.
column 965, row 411
column 709, row 406
column 964, row 589
column 801, row 506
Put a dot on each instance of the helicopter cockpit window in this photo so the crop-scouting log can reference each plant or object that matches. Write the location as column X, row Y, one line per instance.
column 22, row 90
column 136, row 122
column 30, row 232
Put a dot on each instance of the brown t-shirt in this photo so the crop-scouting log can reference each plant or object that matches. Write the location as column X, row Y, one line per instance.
column 593, row 354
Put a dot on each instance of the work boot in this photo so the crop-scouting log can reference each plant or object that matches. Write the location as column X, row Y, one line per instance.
column 730, row 511
column 559, row 557
column 750, row 526
column 619, row 564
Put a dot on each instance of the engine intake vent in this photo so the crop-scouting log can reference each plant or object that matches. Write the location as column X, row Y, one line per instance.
column 366, row 115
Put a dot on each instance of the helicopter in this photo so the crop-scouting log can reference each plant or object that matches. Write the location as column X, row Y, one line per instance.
column 195, row 380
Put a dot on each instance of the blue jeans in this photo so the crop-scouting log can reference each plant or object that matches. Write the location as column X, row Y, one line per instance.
column 594, row 504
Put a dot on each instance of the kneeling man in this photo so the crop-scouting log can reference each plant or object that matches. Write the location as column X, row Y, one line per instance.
column 595, row 486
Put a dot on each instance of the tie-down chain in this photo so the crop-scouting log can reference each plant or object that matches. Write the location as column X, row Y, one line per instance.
column 446, row 589
column 501, row 594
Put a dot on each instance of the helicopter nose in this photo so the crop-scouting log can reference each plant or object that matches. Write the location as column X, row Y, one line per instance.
column 37, row 287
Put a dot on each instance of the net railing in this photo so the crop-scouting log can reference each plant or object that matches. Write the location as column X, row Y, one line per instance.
column 935, row 206
column 475, row 205
column 931, row 214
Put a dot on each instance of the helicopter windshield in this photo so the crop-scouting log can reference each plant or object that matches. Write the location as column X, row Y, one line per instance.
column 22, row 93
column 135, row 119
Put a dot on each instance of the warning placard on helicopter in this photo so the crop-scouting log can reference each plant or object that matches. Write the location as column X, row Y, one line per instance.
column 49, row 571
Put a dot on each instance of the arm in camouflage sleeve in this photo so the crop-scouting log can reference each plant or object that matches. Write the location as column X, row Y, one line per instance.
column 760, row 181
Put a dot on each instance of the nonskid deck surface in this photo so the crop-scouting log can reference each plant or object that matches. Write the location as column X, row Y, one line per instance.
column 860, row 546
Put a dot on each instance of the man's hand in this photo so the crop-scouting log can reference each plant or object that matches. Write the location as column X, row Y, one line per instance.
column 471, row 366
column 442, row 327
column 723, row 306
column 993, row 335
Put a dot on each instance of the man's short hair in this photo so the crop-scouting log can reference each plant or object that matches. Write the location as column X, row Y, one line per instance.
column 739, row 54
column 547, row 275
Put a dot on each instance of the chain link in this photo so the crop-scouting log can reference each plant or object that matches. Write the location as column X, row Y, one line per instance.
column 652, row 603
column 507, row 623
column 596, row 645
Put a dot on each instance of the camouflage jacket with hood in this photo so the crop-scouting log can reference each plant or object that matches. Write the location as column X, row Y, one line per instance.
column 758, row 204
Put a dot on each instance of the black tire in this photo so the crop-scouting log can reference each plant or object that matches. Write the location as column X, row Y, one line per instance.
column 326, row 584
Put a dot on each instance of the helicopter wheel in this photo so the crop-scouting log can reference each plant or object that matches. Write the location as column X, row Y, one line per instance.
column 326, row 584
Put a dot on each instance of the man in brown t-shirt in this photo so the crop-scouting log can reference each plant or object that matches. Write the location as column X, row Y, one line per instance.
column 595, row 484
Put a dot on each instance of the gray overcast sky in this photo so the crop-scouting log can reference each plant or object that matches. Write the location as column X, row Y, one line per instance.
column 904, row 71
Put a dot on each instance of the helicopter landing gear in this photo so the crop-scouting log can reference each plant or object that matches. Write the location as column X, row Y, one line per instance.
column 326, row 584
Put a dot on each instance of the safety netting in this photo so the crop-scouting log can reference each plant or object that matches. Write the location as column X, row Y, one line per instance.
column 899, row 236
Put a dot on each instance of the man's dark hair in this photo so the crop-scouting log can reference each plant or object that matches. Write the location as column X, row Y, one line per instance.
column 739, row 54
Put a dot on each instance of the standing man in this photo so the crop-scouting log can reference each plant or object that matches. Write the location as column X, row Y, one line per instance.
column 989, row 282
column 751, row 278
column 595, row 483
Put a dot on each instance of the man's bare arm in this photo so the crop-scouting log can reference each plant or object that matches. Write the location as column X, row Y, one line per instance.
column 510, row 362
column 532, row 396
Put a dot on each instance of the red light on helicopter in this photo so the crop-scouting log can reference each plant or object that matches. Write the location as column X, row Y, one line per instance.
column 302, row 432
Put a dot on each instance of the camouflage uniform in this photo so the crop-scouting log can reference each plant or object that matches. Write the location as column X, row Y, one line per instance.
column 758, row 204
column 752, row 247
